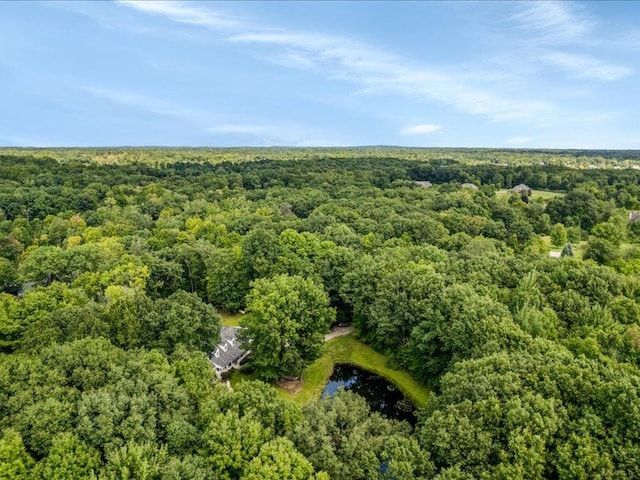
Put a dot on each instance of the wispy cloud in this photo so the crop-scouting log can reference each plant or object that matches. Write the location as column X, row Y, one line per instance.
column 584, row 66
column 631, row 40
column 377, row 72
column 273, row 134
column 423, row 129
column 553, row 21
column 145, row 102
column 372, row 70
column 519, row 140
column 185, row 12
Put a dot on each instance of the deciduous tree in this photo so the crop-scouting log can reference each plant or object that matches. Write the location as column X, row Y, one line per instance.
column 288, row 317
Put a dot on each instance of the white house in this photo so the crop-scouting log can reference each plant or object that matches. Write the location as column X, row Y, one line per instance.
column 228, row 353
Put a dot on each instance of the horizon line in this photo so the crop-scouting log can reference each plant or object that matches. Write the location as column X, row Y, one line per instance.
column 293, row 147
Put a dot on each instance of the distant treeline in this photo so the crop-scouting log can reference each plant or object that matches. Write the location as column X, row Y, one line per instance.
column 160, row 155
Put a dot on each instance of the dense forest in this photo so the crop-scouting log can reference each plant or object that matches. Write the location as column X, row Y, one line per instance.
column 115, row 266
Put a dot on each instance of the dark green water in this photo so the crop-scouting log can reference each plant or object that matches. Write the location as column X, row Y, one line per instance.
column 382, row 396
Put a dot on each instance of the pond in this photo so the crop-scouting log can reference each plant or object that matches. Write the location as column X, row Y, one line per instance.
column 382, row 396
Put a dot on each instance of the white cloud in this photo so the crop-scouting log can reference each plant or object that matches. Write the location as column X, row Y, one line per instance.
column 423, row 129
column 372, row 70
column 273, row 134
column 184, row 12
column 584, row 66
column 380, row 73
column 146, row 103
column 265, row 134
column 519, row 140
column 553, row 21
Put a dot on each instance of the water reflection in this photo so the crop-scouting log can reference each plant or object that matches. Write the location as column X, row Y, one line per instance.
column 381, row 395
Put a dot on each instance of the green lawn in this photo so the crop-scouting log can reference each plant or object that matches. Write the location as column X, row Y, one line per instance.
column 230, row 319
column 348, row 349
column 578, row 248
column 545, row 194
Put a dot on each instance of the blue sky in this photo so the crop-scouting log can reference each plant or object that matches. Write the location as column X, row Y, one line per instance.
column 476, row 74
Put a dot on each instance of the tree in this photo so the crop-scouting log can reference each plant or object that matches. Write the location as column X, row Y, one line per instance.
column 11, row 327
column 260, row 251
column 288, row 317
column 405, row 296
column 277, row 460
column 601, row 250
column 182, row 318
column 135, row 460
column 10, row 247
column 69, row 458
column 567, row 251
column 558, row 235
column 126, row 310
column 608, row 231
column 43, row 264
column 8, row 274
column 15, row 462
column 227, row 279
column 230, row 442
column 341, row 436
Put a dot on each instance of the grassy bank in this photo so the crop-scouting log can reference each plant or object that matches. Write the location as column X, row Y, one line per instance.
column 348, row 349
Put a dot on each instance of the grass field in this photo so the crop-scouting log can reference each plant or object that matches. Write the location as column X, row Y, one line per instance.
column 230, row 319
column 578, row 248
column 545, row 194
column 347, row 349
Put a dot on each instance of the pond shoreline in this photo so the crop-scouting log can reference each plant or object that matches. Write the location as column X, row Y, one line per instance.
column 348, row 350
column 345, row 349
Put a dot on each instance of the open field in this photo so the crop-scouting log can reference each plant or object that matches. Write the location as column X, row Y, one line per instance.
column 578, row 248
column 545, row 194
column 347, row 349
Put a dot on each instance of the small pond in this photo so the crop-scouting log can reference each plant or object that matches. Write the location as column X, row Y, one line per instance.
column 382, row 396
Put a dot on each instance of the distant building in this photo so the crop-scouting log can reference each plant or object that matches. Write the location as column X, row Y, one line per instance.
column 470, row 186
column 228, row 353
column 522, row 188
column 634, row 216
column 424, row 183
column 25, row 287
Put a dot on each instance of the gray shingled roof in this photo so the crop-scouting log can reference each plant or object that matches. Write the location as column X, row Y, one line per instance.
column 521, row 188
column 229, row 348
column 470, row 185
column 634, row 216
column 424, row 183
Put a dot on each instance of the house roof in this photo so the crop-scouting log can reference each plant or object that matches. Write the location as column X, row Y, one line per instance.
column 229, row 349
column 424, row 183
column 634, row 216
column 470, row 185
column 521, row 188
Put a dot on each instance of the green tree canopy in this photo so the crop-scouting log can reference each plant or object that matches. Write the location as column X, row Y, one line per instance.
column 287, row 320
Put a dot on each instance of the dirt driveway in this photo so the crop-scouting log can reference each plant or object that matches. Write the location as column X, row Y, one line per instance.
column 338, row 332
